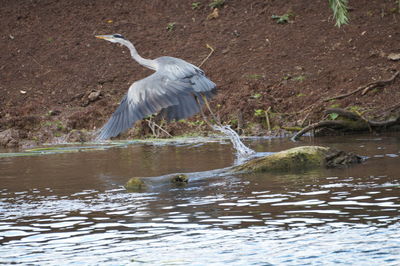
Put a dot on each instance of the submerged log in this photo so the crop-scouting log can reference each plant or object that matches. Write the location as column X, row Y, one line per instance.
column 299, row 158
column 135, row 184
column 180, row 179
column 295, row 159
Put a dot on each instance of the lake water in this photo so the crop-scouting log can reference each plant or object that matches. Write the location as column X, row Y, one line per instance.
column 71, row 208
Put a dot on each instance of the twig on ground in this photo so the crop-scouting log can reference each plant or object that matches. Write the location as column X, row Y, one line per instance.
column 328, row 124
column 208, row 56
column 365, row 88
column 380, row 83
column 305, row 118
column 392, row 108
column 39, row 64
column 267, row 118
column 355, row 122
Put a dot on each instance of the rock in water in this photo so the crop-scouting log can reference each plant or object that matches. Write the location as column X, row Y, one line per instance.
column 299, row 158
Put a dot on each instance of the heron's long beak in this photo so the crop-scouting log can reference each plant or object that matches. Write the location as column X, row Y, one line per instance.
column 104, row 37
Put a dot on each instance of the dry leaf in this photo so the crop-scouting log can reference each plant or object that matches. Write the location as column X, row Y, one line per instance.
column 213, row 14
column 394, row 56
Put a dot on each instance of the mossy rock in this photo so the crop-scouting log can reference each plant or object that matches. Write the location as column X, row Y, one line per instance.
column 299, row 158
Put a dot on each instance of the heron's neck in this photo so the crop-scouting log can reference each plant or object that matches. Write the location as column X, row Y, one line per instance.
column 143, row 61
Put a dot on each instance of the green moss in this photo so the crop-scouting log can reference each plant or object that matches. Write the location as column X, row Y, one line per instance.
column 293, row 129
column 17, row 154
column 300, row 78
column 293, row 159
column 43, row 149
column 336, row 105
column 135, row 184
column 255, row 76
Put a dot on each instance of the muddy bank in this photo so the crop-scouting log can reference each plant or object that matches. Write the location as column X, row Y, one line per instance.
column 56, row 78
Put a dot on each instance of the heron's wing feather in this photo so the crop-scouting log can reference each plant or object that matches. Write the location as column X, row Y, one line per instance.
column 181, row 70
column 191, row 75
column 148, row 96
column 186, row 107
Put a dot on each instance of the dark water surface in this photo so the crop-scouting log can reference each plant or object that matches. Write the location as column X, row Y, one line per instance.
column 71, row 208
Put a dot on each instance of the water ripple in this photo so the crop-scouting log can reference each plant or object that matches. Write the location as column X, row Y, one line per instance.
column 334, row 216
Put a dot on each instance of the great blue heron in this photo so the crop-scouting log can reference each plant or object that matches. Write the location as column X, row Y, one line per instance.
column 175, row 91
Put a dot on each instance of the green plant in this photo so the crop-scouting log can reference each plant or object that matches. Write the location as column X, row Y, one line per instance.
column 398, row 6
column 340, row 11
column 255, row 76
column 285, row 18
column 217, row 4
column 192, row 123
column 196, row 123
column 196, row 5
column 256, row 96
column 233, row 122
column 281, row 19
column 300, row 94
column 299, row 78
column 355, row 109
column 333, row 116
column 47, row 124
column 171, row 26
column 335, row 105
column 59, row 125
column 259, row 112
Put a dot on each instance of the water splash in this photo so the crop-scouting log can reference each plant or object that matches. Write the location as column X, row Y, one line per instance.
column 242, row 151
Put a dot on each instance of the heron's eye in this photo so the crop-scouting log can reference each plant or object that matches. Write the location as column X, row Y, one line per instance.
column 118, row 36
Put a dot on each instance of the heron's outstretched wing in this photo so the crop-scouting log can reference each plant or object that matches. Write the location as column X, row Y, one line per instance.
column 148, row 96
column 183, row 71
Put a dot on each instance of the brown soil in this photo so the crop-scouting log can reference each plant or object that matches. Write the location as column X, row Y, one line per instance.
column 57, row 78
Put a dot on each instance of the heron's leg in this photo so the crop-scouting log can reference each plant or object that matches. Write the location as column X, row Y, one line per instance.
column 209, row 109
column 202, row 113
column 153, row 124
column 160, row 127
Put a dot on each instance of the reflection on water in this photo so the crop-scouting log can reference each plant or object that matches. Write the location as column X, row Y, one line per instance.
column 72, row 208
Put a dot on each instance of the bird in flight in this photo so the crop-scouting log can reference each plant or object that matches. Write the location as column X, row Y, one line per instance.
column 176, row 90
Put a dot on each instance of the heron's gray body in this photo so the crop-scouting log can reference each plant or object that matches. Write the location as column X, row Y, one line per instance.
column 174, row 91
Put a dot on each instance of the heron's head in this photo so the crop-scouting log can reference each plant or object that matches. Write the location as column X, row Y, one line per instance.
column 115, row 38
